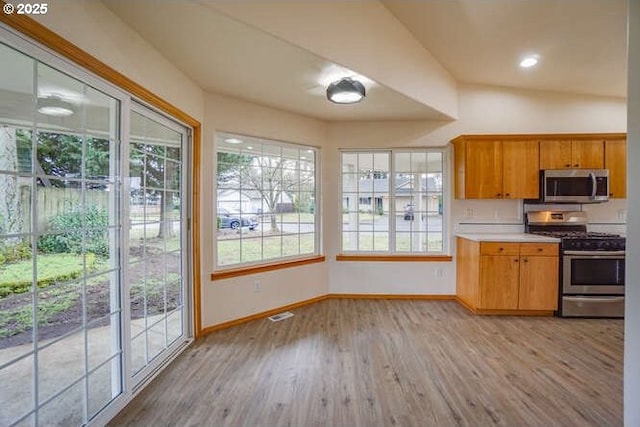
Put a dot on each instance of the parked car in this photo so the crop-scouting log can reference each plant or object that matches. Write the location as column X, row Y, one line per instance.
column 408, row 213
column 235, row 220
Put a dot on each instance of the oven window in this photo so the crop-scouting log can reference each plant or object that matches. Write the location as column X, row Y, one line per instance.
column 599, row 271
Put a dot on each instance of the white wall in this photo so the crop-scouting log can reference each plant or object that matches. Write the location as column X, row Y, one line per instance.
column 483, row 110
column 95, row 29
column 632, row 300
column 230, row 299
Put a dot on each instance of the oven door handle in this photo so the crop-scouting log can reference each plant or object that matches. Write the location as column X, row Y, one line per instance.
column 595, row 254
column 594, row 184
column 597, row 299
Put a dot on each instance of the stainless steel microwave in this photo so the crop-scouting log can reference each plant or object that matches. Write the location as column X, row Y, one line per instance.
column 574, row 185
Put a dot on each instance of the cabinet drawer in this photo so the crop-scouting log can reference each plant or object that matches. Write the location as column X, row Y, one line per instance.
column 499, row 248
column 542, row 249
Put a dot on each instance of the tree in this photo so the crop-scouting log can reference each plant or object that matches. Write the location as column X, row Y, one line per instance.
column 158, row 174
column 269, row 176
column 10, row 203
column 60, row 155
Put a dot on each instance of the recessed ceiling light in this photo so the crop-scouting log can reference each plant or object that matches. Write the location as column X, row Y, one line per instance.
column 529, row 61
column 249, row 148
column 233, row 141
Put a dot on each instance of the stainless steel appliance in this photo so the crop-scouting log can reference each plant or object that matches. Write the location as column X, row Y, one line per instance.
column 574, row 185
column 591, row 266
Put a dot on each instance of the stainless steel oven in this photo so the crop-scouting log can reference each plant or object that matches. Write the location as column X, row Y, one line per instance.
column 591, row 264
column 593, row 283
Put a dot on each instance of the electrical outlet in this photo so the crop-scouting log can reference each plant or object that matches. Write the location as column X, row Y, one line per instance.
column 622, row 214
column 469, row 212
column 257, row 286
column 438, row 272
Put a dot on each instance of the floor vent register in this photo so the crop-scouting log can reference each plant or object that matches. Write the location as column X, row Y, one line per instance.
column 281, row 316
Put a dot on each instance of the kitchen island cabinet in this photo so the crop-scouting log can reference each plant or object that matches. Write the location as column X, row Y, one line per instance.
column 519, row 276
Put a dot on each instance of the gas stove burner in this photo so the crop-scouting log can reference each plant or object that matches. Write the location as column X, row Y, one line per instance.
column 576, row 234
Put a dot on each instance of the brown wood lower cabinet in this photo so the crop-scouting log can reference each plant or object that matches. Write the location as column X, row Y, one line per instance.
column 507, row 277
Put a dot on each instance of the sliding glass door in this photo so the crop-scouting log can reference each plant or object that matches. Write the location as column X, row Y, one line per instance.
column 94, row 293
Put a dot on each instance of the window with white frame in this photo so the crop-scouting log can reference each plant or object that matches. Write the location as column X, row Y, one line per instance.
column 265, row 201
column 392, row 201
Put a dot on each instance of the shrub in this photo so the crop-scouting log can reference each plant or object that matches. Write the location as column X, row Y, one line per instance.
column 18, row 277
column 14, row 252
column 67, row 232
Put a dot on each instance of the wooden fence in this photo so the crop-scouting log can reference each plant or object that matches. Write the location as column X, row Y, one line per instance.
column 51, row 201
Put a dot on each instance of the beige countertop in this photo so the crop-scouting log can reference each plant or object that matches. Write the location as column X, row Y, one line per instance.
column 508, row 237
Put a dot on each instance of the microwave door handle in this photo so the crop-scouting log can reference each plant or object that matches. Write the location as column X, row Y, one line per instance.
column 594, row 185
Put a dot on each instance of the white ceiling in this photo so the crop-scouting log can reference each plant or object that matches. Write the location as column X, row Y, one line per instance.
column 582, row 45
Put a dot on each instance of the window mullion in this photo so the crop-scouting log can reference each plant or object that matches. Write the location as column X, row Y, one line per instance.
column 392, row 203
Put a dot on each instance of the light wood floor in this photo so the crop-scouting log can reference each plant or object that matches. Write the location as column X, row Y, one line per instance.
column 392, row 363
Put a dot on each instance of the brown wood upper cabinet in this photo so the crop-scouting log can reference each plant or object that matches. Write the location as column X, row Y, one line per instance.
column 496, row 168
column 615, row 159
column 572, row 154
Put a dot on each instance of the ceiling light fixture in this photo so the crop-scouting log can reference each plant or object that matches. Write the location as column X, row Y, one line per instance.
column 233, row 141
column 346, row 91
column 55, row 106
column 529, row 61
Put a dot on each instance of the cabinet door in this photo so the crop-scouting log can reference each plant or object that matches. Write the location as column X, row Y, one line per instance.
column 587, row 154
column 483, row 178
column 538, row 283
column 555, row 154
column 520, row 172
column 615, row 157
column 499, row 277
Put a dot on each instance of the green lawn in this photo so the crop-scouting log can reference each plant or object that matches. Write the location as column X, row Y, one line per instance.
column 17, row 277
column 252, row 249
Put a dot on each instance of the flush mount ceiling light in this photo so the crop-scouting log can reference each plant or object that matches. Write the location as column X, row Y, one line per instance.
column 346, row 91
column 233, row 141
column 55, row 106
column 529, row 61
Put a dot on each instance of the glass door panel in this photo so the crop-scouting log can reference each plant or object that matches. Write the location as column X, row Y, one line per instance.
column 156, row 239
column 61, row 352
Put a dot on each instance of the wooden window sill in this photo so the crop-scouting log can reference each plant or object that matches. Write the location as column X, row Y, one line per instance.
column 244, row 271
column 395, row 258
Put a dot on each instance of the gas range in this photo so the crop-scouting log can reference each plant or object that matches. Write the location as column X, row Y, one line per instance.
column 586, row 240
column 591, row 264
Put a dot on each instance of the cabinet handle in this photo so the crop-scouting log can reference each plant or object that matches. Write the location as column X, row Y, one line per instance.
column 501, row 249
column 507, row 194
column 539, row 249
column 576, row 165
column 499, row 194
column 515, row 260
column 567, row 165
column 526, row 260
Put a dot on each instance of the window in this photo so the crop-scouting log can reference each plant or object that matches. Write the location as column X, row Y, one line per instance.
column 266, row 201
column 392, row 201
